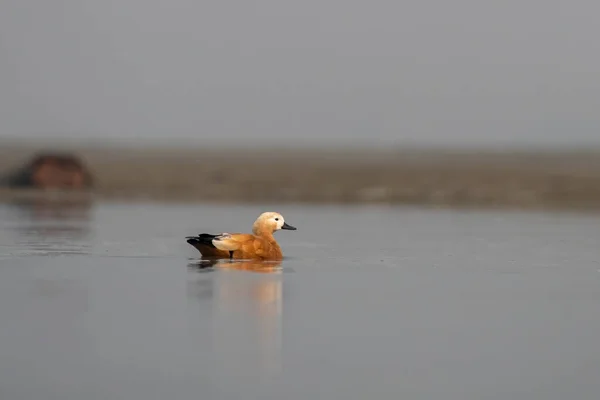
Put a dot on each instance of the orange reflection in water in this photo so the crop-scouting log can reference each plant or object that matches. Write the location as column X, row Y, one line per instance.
column 248, row 315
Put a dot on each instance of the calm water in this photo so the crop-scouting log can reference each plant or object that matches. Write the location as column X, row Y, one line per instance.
column 108, row 302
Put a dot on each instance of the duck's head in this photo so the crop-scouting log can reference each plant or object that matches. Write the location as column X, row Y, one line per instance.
column 270, row 222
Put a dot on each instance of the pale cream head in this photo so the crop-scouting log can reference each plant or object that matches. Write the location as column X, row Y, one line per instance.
column 270, row 222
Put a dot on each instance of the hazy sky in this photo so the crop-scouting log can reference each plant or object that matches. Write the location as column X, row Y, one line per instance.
column 387, row 72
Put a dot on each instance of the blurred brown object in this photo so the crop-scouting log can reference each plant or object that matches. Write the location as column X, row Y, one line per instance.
column 51, row 171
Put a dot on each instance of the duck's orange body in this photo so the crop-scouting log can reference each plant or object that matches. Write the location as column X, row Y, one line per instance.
column 259, row 245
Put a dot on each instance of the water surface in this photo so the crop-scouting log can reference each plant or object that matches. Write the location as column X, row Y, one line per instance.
column 107, row 301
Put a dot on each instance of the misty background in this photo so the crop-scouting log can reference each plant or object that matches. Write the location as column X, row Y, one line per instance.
column 461, row 73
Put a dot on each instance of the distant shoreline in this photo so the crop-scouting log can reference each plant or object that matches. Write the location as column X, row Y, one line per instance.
column 526, row 179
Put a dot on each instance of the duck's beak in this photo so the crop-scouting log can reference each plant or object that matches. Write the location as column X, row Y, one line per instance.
column 288, row 227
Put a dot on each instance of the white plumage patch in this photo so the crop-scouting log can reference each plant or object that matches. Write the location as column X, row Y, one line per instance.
column 221, row 242
column 222, row 236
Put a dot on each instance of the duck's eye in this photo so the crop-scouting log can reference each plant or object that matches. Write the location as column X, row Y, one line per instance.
column 276, row 219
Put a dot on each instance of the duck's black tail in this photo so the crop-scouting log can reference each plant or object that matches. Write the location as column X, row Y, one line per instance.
column 203, row 238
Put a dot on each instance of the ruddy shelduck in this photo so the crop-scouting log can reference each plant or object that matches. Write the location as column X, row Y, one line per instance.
column 259, row 245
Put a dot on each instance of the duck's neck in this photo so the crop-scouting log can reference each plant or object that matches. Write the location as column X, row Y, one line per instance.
column 267, row 234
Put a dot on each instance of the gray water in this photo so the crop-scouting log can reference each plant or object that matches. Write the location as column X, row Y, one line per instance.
column 109, row 302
